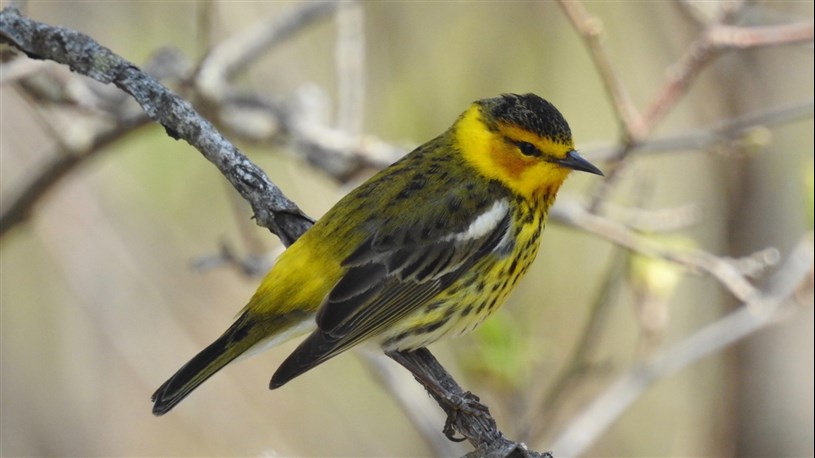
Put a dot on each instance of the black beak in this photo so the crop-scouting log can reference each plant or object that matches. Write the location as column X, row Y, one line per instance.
column 575, row 162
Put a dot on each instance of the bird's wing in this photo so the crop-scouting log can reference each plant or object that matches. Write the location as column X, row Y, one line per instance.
column 388, row 279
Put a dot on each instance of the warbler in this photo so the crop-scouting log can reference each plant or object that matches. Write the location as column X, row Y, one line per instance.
column 426, row 248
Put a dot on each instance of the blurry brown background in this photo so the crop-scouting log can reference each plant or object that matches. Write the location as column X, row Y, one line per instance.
column 100, row 303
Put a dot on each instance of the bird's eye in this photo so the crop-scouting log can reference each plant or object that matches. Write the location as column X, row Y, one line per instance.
column 528, row 149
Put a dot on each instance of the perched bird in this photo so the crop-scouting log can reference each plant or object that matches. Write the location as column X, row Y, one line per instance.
column 428, row 247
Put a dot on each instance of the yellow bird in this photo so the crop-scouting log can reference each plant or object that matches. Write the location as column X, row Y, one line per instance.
column 427, row 248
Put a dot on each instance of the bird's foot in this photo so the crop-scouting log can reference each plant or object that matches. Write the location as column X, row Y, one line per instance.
column 465, row 403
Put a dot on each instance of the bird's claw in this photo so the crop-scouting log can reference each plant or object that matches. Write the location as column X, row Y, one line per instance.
column 466, row 403
column 450, row 430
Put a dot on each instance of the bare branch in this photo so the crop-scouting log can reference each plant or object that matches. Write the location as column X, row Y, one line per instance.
column 231, row 56
column 576, row 363
column 696, row 260
column 591, row 29
column 465, row 414
column 722, row 131
column 715, row 40
column 272, row 208
column 760, row 311
column 341, row 152
column 660, row 220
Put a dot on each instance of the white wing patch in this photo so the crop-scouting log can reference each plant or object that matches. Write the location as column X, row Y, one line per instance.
column 484, row 223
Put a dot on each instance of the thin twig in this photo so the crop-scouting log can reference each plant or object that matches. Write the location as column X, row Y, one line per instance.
column 590, row 29
column 696, row 260
column 341, row 151
column 231, row 56
column 715, row 40
column 680, row 75
column 654, row 221
column 721, row 131
column 576, row 365
column 760, row 311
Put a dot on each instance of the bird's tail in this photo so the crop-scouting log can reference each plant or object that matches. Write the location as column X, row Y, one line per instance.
column 239, row 339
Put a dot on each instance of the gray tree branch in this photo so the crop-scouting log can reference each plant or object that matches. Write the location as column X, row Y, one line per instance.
column 82, row 54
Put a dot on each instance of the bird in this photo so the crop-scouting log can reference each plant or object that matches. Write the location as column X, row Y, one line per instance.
column 426, row 248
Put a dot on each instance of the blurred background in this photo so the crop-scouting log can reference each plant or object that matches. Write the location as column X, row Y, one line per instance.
column 101, row 299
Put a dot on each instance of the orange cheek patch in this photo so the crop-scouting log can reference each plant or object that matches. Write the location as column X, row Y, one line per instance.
column 510, row 163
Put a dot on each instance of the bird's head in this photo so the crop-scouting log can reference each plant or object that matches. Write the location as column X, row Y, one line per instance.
column 522, row 141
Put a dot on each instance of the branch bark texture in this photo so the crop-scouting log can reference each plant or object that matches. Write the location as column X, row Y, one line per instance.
column 84, row 55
